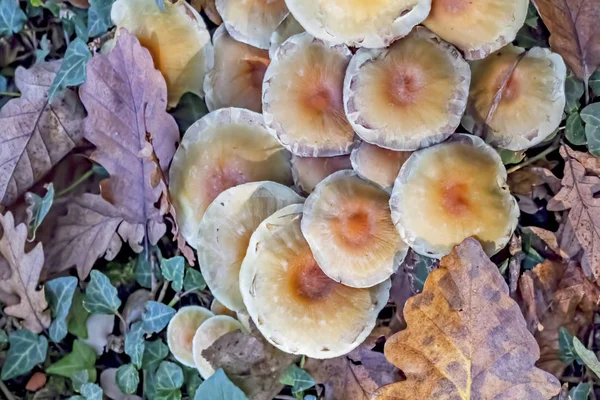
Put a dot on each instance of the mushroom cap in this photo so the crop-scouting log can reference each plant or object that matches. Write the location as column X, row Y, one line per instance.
column 288, row 28
column 359, row 23
column 347, row 223
column 181, row 331
column 252, row 21
column 236, row 77
column 177, row 39
column 477, row 28
column 451, row 191
column 303, row 97
column 532, row 101
column 377, row 164
column 225, row 148
column 408, row 96
column 208, row 333
column 217, row 308
column 225, row 230
column 293, row 303
column 309, row 171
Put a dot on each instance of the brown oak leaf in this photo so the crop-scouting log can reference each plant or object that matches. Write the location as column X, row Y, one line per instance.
column 36, row 135
column 32, row 307
column 466, row 338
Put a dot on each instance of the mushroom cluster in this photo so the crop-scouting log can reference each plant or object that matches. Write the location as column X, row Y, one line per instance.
column 360, row 109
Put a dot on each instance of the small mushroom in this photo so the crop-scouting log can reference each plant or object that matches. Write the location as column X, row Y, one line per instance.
column 309, row 171
column 288, row 28
column 225, row 148
column 181, row 331
column 408, row 96
column 217, row 308
column 177, row 39
column 236, row 77
column 208, row 333
column 225, row 230
column 452, row 191
column 532, row 102
column 477, row 28
column 347, row 223
column 302, row 97
column 293, row 303
column 252, row 21
column 377, row 164
column 359, row 23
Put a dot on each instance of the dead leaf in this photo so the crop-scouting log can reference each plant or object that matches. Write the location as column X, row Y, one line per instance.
column 574, row 33
column 36, row 382
column 23, row 282
column 36, row 135
column 466, row 338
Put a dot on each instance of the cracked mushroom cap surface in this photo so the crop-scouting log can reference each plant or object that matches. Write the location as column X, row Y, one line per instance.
column 408, row 96
column 176, row 38
column 359, row 23
column 377, row 164
column 348, row 225
column 303, row 97
column 477, row 28
column 533, row 96
column 207, row 333
column 225, row 231
column 252, row 21
column 293, row 303
column 451, row 191
column 224, row 149
column 236, row 78
column 309, row 171
column 181, row 331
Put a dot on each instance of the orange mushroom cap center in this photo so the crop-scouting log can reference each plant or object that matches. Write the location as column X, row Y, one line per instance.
column 323, row 98
column 406, row 83
column 310, row 282
column 513, row 86
column 221, row 178
column 449, row 6
column 455, row 198
column 354, row 226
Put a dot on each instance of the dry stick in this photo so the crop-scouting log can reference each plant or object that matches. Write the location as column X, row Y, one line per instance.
column 7, row 393
column 555, row 145
column 10, row 94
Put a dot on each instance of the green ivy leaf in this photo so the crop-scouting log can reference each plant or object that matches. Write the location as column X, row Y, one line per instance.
column 591, row 116
column 156, row 317
column 3, row 84
column 193, row 280
column 581, row 391
column 189, row 110
column 12, row 18
column 43, row 51
column 72, row 69
column 169, row 379
column 82, row 357
column 144, row 274
column 134, row 343
column 127, row 378
column 149, row 384
column 587, row 356
column 26, row 351
column 511, row 157
column 172, row 270
column 566, row 352
column 574, row 89
column 594, row 82
column 120, row 274
column 100, row 296
column 59, row 293
column 575, row 131
column 154, row 353
column 99, row 21
column 80, row 378
column 39, row 208
column 75, row 21
column 219, row 387
column 297, row 378
column 192, row 380
column 76, row 321
column 3, row 338
column 91, row 391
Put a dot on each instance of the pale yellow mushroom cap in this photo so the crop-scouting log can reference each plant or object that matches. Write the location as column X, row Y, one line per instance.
column 207, row 334
column 309, row 171
column 181, row 331
column 377, row 164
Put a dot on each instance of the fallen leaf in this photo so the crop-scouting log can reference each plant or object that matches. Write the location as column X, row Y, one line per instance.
column 466, row 338
column 36, row 382
column 219, row 387
column 36, row 135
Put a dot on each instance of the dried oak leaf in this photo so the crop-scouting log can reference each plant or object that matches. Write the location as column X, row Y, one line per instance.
column 35, row 134
column 32, row 307
column 126, row 100
column 466, row 338
column 580, row 229
column 574, row 33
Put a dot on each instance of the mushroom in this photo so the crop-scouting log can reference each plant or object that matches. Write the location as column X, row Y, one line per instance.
column 293, row 303
column 236, row 77
column 288, row 28
column 252, row 21
column 208, row 333
column 451, row 191
column 302, row 97
column 177, row 39
column 347, row 223
column 532, row 86
column 225, row 230
column 359, row 23
column 181, row 331
column 377, row 164
column 477, row 28
column 217, row 308
column 309, row 171
column 210, row 9
column 408, row 96
column 225, row 148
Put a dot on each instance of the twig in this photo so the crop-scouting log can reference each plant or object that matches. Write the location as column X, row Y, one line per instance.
column 533, row 159
column 118, row 314
column 7, row 393
column 178, row 296
column 163, row 291
column 78, row 182
column 10, row 94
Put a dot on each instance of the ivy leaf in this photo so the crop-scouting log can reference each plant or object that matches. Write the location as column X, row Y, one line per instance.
column 78, row 315
column 134, row 343
column 169, row 379
column 143, row 269
column 575, row 131
column 3, row 338
column 573, row 92
column 43, row 51
column 74, row 21
column 100, row 296
column 26, row 351
column 37, row 209
column 193, row 280
column 297, row 378
column 59, row 293
column 566, row 351
column 581, row 391
column 99, row 17
column 80, row 378
column 591, row 116
column 154, row 353
column 192, row 380
column 128, row 378
column 12, row 18
column 82, row 357
column 72, row 69
column 3, row 84
column 172, row 269
column 91, row 391
column 189, row 110
column 219, row 387
column 511, row 157
column 587, row 356
column 595, row 82
column 156, row 317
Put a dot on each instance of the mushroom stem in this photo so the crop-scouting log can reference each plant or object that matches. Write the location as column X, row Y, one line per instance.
column 554, row 147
